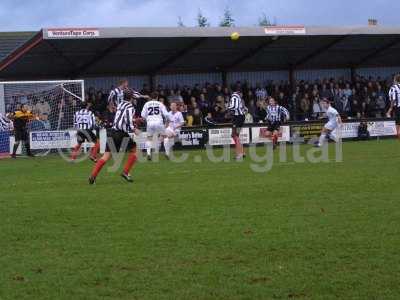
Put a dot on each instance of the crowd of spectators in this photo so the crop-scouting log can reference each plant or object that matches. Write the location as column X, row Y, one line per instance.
column 360, row 98
column 202, row 104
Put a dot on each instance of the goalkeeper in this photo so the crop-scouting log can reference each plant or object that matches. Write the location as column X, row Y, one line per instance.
column 21, row 119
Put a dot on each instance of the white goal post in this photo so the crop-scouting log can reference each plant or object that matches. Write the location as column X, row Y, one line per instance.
column 53, row 102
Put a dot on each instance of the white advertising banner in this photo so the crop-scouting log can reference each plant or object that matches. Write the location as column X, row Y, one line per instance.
column 382, row 128
column 73, row 33
column 375, row 128
column 223, row 136
column 52, row 139
column 259, row 135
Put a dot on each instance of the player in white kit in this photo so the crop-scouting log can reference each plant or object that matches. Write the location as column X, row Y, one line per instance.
column 334, row 121
column 175, row 123
column 154, row 112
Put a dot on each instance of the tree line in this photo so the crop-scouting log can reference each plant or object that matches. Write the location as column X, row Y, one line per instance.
column 227, row 20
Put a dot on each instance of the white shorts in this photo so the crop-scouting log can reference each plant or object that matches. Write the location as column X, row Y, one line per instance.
column 331, row 125
column 155, row 129
column 172, row 132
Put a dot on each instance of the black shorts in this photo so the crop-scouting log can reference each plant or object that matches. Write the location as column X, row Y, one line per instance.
column 86, row 135
column 238, row 121
column 274, row 126
column 397, row 115
column 118, row 141
column 21, row 135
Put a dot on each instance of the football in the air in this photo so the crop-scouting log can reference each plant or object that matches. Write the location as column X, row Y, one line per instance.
column 235, row 36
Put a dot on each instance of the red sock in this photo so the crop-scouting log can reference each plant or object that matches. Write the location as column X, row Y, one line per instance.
column 97, row 168
column 130, row 162
column 95, row 150
column 75, row 151
column 238, row 146
column 275, row 139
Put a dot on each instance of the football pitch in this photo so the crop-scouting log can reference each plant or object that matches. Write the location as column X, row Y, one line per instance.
column 204, row 230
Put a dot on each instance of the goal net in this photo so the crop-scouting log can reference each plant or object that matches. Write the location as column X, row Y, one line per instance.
column 53, row 103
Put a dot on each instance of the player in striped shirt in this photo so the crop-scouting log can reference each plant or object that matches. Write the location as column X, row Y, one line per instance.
column 85, row 124
column 394, row 98
column 238, row 111
column 117, row 94
column 121, row 134
column 5, row 123
column 276, row 115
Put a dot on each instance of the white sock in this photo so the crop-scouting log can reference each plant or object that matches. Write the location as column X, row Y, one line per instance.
column 322, row 139
column 168, row 143
column 156, row 144
column 148, row 147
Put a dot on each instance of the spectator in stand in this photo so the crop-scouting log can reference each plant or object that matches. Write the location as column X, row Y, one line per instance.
column 171, row 96
column 219, row 91
column 381, row 106
column 344, row 103
column 204, row 105
column 178, row 96
column 317, row 109
column 251, row 107
column 366, row 109
column 380, row 92
column 305, row 107
column 250, row 96
column 226, row 94
column 219, row 114
column 325, row 93
column 197, row 117
column 248, row 118
column 260, row 112
column 100, row 103
column 347, row 92
column 45, row 121
column 190, row 112
column 184, row 110
column 355, row 105
column 42, row 107
column 283, row 100
column 275, row 91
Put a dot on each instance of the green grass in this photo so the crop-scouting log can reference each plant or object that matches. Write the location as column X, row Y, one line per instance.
column 203, row 230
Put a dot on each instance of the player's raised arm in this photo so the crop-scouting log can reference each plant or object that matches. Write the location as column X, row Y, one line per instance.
column 339, row 119
column 111, row 97
column 164, row 112
column 112, row 100
column 130, row 115
column 138, row 95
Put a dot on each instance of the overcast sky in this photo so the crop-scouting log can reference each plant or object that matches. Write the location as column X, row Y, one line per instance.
column 36, row 14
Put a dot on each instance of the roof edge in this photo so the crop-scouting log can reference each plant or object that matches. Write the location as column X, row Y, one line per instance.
column 17, row 53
